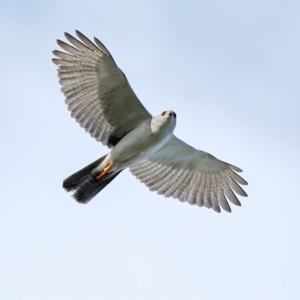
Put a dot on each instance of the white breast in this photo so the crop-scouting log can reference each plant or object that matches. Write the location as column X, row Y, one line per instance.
column 140, row 143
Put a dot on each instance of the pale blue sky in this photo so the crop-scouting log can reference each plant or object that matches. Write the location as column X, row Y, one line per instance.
column 230, row 70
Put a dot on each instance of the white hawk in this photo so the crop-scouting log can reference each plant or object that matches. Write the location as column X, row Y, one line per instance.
column 100, row 98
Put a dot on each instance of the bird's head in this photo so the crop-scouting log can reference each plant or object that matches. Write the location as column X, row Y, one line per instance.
column 169, row 114
column 165, row 121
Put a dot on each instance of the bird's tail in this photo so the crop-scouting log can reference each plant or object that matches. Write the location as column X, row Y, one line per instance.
column 85, row 184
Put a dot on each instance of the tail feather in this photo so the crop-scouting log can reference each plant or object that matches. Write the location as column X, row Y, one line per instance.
column 75, row 180
column 91, row 187
column 85, row 184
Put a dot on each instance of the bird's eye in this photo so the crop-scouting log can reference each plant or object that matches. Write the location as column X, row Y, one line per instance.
column 163, row 113
column 174, row 114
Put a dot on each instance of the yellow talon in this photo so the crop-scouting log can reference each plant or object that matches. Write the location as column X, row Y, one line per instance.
column 105, row 171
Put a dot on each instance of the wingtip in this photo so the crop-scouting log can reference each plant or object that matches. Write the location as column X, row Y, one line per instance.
column 225, row 208
column 236, row 169
column 78, row 33
column 56, row 61
column 68, row 36
column 228, row 210
column 60, row 42
column 55, row 52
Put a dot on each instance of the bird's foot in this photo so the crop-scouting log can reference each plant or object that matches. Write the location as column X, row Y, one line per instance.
column 105, row 171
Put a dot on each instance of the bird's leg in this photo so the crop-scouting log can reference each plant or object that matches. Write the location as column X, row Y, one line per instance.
column 105, row 171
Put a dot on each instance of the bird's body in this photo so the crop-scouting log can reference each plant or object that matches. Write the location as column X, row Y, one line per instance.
column 103, row 103
column 140, row 143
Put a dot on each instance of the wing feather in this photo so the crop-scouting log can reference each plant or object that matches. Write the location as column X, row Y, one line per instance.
column 193, row 189
column 178, row 170
column 98, row 95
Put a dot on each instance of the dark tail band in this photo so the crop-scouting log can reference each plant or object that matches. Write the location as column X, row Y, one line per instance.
column 85, row 184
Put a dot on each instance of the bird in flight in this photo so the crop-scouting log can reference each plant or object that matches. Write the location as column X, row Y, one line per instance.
column 101, row 100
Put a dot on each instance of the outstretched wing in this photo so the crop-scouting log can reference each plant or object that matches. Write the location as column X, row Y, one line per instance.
column 97, row 92
column 178, row 170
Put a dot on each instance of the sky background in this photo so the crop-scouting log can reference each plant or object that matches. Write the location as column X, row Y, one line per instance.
column 230, row 70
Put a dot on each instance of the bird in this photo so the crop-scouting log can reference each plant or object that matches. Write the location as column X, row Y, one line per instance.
column 100, row 98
